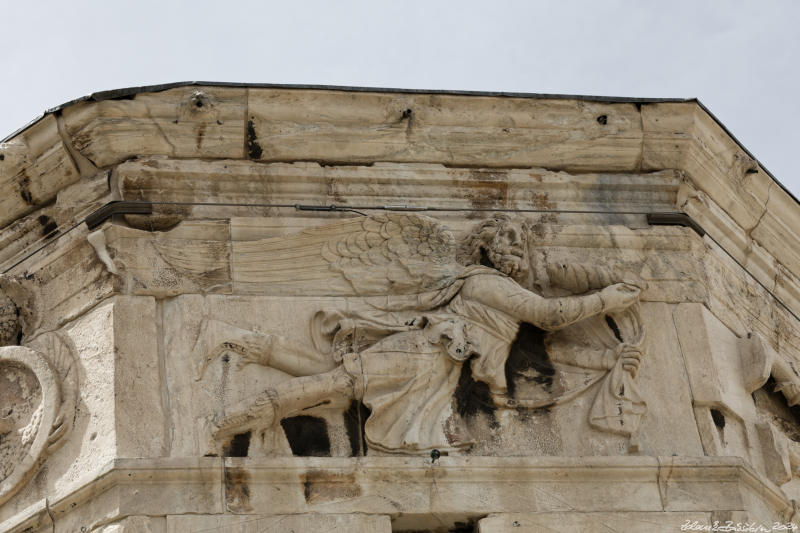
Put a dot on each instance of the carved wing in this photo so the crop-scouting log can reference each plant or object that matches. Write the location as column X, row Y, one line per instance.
column 374, row 255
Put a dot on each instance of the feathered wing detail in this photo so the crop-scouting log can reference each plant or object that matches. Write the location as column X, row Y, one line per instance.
column 395, row 254
column 193, row 257
column 368, row 256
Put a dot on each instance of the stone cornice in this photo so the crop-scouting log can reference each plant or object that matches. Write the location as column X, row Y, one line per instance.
column 78, row 143
column 399, row 486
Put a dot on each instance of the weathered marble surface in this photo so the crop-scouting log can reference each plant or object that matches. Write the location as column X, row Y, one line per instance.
column 159, row 372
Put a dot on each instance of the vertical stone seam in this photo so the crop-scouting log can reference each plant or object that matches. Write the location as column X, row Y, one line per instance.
column 230, row 262
column 661, row 482
column 688, row 382
column 683, row 357
column 166, row 447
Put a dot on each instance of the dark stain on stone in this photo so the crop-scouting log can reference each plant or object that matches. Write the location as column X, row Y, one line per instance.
column 473, row 397
column 539, row 200
column 318, row 404
column 238, row 446
column 614, row 328
column 319, row 485
column 539, row 228
column 353, row 163
column 718, row 418
column 463, row 527
column 163, row 217
column 307, row 436
column 254, row 150
column 486, row 189
column 354, row 419
column 49, row 226
column 237, row 489
column 528, row 359
column 485, row 261
column 25, row 190
column 201, row 132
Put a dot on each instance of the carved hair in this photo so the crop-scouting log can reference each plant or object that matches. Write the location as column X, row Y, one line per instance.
column 476, row 247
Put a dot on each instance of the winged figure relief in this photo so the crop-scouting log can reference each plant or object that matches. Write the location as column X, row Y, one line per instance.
column 435, row 304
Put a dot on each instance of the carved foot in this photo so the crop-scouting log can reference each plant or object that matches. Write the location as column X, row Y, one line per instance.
column 262, row 413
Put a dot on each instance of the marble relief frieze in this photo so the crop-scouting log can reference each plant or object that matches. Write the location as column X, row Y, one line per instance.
column 433, row 305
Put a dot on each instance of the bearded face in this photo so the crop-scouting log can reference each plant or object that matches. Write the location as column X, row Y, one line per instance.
column 507, row 252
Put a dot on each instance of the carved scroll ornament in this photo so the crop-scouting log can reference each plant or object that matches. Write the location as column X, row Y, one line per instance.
column 37, row 403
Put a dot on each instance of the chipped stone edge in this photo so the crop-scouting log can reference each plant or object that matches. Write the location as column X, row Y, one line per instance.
column 173, row 474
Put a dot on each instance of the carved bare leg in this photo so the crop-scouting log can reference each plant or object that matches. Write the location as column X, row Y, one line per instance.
column 288, row 398
column 217, row 337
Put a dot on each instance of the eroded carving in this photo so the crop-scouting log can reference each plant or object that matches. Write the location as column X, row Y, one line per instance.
column 37, row 404
column 19, row 309
column 433, row 305
column 10, row 327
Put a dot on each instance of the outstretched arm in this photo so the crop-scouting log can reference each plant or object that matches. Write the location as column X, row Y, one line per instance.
column 549, row 314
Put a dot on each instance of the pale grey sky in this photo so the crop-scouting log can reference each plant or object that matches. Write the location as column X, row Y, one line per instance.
column 739, row 57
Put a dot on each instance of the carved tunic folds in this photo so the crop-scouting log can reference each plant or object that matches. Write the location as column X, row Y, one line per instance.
column 408, row 377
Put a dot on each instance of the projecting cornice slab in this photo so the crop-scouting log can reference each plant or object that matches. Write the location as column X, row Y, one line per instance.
column 280, row 124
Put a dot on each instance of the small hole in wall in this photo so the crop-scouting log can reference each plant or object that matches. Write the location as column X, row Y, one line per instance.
column 93, row 435
column 718, row 418
column 602, row 119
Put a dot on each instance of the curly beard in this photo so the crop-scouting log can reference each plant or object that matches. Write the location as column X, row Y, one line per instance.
column 508, row 262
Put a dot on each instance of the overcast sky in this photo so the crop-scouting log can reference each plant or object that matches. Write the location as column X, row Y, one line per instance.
column 740, row 58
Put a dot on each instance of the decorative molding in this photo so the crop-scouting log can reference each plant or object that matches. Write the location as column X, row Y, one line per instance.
column 407, row 485
column 37, row 402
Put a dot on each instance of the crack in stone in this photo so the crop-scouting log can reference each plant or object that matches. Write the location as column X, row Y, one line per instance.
column 50, row 514
column 764, row 212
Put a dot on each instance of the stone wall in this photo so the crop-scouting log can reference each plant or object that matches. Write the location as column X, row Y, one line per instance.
column 366, row 311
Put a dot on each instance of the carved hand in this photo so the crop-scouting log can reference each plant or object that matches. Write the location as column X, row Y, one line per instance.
column 619, row 296
column 631, row 357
